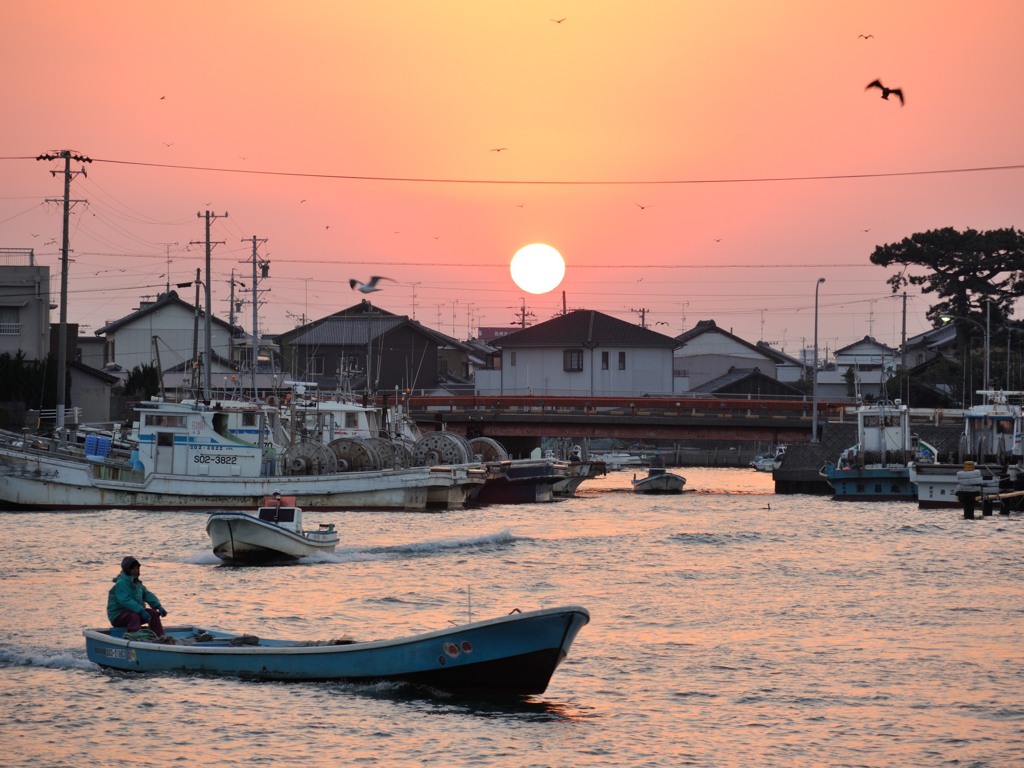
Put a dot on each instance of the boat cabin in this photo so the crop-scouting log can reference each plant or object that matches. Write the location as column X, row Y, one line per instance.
column 995, row 431
column 192, row 440
column 281, row 510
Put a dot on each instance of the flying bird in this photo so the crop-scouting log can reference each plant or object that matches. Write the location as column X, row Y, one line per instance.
column 499, row 149
column 369, row 287
column 642, row 207
column 886, row 91
column 866, row 37
column 559, row 21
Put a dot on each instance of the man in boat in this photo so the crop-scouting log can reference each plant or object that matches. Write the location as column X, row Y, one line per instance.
column 126, row 601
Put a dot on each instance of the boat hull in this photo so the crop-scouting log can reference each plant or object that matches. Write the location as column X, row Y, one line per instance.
column 524, row 481
column 238, row 538
column 871, row 483
column 51, row 481
column 660, row 484
column 936, row 483
column 578, row 472
column 510, row 655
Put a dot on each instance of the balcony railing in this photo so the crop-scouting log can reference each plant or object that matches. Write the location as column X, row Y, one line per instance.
column 10, row 329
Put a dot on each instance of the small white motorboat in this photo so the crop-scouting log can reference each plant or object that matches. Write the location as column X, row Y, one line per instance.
column 659, row 479
column 273, row 535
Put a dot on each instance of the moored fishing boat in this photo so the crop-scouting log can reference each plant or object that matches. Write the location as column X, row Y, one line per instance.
column 275, row 534
column 992, row 439
column 876, row 467
column 186, row 458
column 513, row 655
column 578, row 471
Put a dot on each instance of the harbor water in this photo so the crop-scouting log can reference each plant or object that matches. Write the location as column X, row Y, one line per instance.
column 730, row 627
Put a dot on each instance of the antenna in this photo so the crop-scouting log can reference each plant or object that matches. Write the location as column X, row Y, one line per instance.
column 168, row 273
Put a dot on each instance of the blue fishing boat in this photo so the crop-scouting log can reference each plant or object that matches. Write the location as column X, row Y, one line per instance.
column 877, row 467
column 510, row 655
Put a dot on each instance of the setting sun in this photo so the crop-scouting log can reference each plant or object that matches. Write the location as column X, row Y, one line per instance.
column 537, row 268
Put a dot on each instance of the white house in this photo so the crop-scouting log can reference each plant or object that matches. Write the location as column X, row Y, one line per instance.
column 706, row 352
column 869, row 362
column 24, row 304
column 581, row 353
column 167, row 329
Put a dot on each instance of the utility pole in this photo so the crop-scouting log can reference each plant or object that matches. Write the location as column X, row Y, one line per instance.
column 194, row 378
column 265, row 268
column 903, row 358
column 643, row 315
column 414, row 299
column 207, row 328
column 62, row 334
column 522, row 314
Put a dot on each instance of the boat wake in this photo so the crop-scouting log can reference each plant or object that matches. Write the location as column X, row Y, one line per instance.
column 38, row 657
column 485, row 542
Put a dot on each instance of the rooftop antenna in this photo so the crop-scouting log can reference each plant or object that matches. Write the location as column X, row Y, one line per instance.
column 168, row 273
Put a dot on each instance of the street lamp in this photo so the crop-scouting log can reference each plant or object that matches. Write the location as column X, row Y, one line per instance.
column 195, row 338
column 985, row 329
column 814, row 369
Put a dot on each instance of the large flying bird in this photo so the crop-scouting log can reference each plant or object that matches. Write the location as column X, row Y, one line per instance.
column 369, row 287
column 886, row 91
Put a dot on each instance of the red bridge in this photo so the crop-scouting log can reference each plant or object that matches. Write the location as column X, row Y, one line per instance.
column 631, row 418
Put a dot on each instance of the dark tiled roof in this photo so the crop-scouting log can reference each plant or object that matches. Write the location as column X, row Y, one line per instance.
column 747, row 380
column 344, row 331
column 357, row 329
column 585, row 328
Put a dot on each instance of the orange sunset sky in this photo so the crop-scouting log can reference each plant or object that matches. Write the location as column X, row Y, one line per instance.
column 676, row 139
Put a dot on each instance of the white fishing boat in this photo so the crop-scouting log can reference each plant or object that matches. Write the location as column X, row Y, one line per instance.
column 275, row 534
column 186, row 458
column 993, row 439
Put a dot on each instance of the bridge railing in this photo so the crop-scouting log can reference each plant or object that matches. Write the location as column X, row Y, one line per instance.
column 633, row 406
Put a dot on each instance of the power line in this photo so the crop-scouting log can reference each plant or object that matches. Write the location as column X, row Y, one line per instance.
column 576, row 182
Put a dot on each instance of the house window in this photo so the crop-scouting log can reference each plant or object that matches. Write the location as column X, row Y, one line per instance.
column 10, row 322
column 572, row 360
column 512, row 357
column 604, row 361
column 315, row 365
column 622, row 361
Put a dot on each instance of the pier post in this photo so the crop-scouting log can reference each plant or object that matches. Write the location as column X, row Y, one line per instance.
column 968, row 489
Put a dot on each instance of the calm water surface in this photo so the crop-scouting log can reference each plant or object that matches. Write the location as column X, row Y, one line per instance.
column 730, row 627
